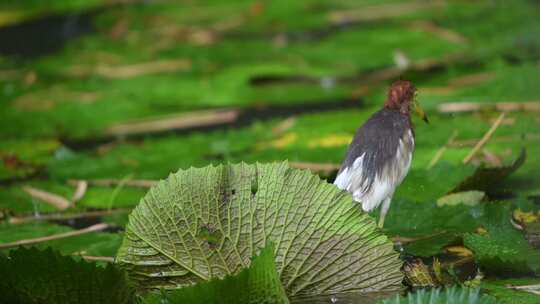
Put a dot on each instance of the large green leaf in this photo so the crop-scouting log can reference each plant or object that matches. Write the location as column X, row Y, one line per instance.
column 34, row 276
column 257, row 284
column 207, row 223
column 453, row 295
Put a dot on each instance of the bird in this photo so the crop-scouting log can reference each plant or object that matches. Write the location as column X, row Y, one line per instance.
column 380, row 154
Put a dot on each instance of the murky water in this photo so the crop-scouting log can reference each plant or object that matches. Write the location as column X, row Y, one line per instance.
column 342, row 298
column 44, row 35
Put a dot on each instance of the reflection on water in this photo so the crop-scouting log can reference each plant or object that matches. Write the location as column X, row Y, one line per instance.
column 343, row 298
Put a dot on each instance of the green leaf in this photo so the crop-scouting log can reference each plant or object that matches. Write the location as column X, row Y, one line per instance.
column 453, row 295
column 257, row 284
column 34, row 276
column 500, row 289
column 487, row 178
column 433, row 227
column 429, row 184
column 207, row 223
column 414, row 213
column 502, row 248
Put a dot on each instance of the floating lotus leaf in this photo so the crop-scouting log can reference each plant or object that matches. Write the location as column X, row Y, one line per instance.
column 201, row 224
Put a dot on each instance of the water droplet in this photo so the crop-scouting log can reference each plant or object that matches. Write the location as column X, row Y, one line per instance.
column 327, row 83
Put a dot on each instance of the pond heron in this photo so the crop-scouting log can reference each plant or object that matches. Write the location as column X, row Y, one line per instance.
column 379, row 157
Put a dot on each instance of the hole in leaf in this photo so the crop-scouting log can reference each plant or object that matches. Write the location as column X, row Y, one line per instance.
column 254, row 187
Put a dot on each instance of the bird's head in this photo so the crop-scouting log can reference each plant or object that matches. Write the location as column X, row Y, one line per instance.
column 402, row 97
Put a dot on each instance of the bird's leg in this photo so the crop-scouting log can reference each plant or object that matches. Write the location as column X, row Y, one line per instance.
column 384, row 210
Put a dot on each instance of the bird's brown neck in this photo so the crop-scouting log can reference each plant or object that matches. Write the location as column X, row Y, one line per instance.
column 394, row 106
column 400, row 96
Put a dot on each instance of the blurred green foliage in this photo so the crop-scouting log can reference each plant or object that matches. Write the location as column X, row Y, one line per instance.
column 57, row 108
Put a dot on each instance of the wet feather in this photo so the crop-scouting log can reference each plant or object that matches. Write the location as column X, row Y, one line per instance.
column 378, row 159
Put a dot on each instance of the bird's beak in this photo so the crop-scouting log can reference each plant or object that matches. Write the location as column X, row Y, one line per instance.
column 418, row 109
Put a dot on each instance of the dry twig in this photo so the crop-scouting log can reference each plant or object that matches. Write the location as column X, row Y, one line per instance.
column 379, row 12
column 108, row 182
column 442, row 149
column 52, row 199
column 93, row 228
column 325, row 168
column 80, row 191
column 484, row 139
column 534, row 286
column 61, row 216
column 405, row 240
column 175, row 122
column 471, row 79
column 132, row 70
column 284, row 125
column 501, row 139
column 98, row 258
column 47, row 99
column 447, row 34
column 460, row 82
column 534, row 289
column 462, row 107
